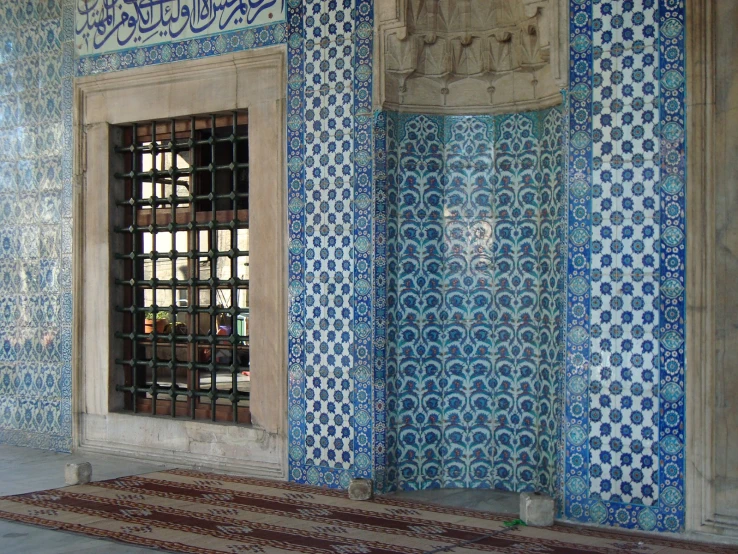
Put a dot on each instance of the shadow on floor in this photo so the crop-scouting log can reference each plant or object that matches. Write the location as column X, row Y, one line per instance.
column 484, row 500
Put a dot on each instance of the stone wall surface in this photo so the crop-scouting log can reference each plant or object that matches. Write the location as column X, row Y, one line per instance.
column 726, row 234
column 471, row 56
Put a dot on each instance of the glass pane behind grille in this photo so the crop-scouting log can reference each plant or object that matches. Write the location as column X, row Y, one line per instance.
column 182, row 271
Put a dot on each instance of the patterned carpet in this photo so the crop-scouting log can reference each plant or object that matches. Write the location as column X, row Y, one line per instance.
column 189, row 511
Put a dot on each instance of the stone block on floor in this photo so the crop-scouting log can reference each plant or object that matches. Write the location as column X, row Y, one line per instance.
column 78, row 474
column 360, row 489
column 536, row 509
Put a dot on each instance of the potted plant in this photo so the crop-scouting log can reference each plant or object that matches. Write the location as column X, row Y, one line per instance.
column 161, row 318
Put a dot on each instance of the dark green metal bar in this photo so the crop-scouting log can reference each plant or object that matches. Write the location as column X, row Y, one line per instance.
column 155, row 292
column 234, row 272
column 173, row 214
column 182, row 200
column 134, row 271
column 193, row 375
column 213, row 269
column 162, row 205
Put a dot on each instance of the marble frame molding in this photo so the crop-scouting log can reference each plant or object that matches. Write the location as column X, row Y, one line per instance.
column 253, row 80
column 702, row 363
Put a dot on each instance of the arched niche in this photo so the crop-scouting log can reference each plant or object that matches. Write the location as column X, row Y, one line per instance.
column 471, row 56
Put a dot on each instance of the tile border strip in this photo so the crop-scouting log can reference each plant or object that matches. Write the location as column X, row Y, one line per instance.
column 296, row 265
column 575, row 426
column 380, row 301
column 672, row 289
column 667, row 514
column 364, row 327
column 187, row 49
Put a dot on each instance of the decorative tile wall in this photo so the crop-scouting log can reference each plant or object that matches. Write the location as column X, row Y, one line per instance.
column 331, row 221
column 475, row 282
column 624, row 418
column 36, row 68
column 331, row 321
column 621, row 449
column 189, row 49
column 385, row 172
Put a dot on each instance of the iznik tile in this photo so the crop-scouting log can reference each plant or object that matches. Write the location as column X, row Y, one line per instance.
column 425, row 262
column 331, row 414
column 617, row 445
column 31, row 108
column 473, row 318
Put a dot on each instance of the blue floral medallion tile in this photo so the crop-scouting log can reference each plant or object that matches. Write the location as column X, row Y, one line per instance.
column 625, row 324
column 334, row 340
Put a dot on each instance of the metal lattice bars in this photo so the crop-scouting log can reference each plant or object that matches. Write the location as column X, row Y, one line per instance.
column 183, row 279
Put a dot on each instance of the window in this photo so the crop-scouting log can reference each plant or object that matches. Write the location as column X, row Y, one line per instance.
column 253, row 84
column 182, row 279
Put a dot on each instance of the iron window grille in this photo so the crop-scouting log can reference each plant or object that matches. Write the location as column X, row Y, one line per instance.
column 182, row 285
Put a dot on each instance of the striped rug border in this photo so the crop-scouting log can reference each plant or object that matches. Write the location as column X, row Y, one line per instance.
column 215, row 484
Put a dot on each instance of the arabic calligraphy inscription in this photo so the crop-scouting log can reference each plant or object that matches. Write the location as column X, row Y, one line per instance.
column 110, row 25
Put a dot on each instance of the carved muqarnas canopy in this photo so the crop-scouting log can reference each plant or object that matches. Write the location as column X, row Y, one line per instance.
column 464, row 56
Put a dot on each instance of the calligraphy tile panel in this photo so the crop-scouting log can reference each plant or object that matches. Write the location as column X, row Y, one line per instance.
column 104, row 26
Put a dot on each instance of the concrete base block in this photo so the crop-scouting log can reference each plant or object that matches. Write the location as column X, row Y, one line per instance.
column 361, row 489
column 78, row 474
column 536, row 509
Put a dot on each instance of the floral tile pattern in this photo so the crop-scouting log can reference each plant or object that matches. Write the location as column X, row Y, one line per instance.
column 474, row 300
column 36, row 71
column 624, row 418
column 330, row 126
column 613, row 450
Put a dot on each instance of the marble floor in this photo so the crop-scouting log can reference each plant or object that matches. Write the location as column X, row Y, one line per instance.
column 498, row 502
column 28, row 470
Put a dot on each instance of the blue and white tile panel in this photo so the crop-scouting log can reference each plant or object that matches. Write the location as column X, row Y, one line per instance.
column 36, row 69
column 186, row 49
column 331, row 198
column 113, row 35
column 104, row 26
column 383, row 143
column 624, row 416
column 474, row 300
column 391, row 381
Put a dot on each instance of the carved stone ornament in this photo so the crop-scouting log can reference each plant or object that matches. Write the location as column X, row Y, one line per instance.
column 471, row 56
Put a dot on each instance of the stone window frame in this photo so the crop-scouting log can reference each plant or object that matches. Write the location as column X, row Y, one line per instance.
column 252, row 80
